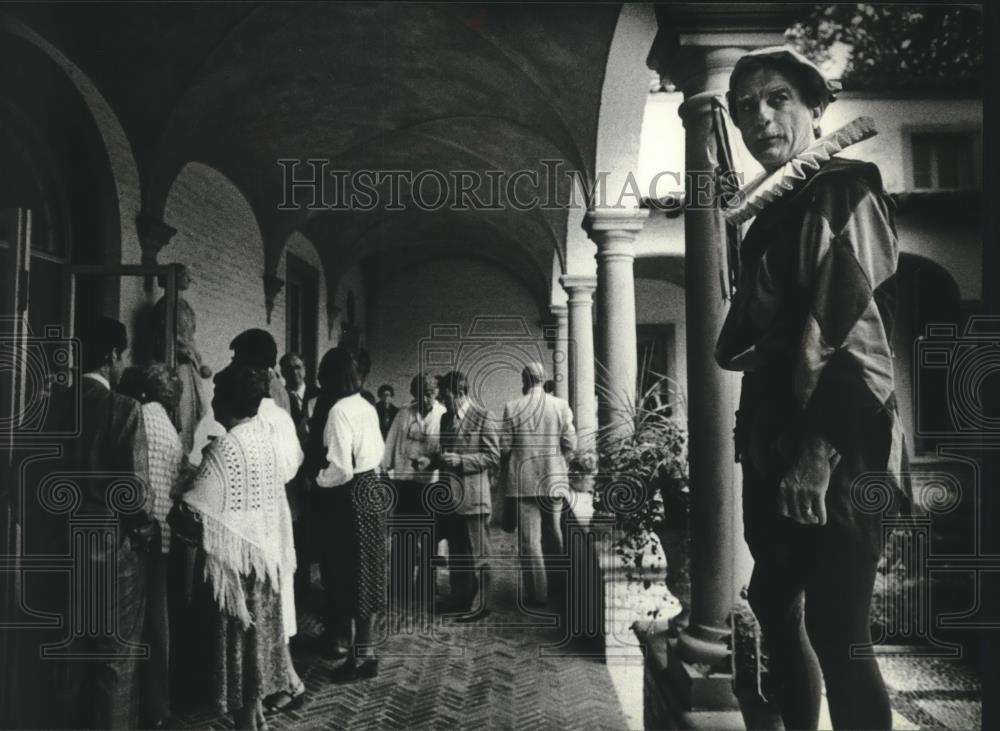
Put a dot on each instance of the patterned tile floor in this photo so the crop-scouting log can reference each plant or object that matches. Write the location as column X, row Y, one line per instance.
column 933, row 693
column 509, row 671
column 496, row 673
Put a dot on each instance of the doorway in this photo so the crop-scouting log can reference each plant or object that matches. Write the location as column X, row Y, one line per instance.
column 302, row 312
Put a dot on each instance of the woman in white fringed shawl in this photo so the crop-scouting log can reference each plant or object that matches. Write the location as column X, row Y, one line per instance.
column 238, row 498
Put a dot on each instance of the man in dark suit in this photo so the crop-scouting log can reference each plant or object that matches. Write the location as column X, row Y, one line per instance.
column 293, row 370
column 384, row 407
column 109, row 457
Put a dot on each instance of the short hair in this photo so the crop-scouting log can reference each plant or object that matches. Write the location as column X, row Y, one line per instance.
column 153, row 382
column 802, row 78
column 455, row 382
column 386, row 388
column 241, row 388
column 286, row 359
column 533, row 373
column 255, row 348
column 421, row 382
column 161, row 279
column 549, row 386
column 98, row 338
column 338, row 373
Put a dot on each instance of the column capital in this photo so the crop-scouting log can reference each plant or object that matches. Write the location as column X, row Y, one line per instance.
column 604, row 223
column 560, row 312
column 154, row 234
column 579, row 286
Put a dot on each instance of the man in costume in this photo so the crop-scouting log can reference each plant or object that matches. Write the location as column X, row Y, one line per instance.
column 810, row 327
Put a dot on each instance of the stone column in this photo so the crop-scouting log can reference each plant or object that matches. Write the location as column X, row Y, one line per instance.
column 712, row 392
column 614, row 232
column 560, row 354
column 581, row 349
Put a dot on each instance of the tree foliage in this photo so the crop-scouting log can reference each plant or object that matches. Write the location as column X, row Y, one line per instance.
column 897, row 46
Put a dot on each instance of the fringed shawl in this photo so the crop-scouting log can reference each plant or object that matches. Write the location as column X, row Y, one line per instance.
column 239, row 494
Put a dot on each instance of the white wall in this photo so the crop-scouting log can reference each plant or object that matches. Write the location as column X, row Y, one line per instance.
column 454, row 292
column 658, row 303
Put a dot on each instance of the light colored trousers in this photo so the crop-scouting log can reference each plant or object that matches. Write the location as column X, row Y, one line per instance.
column 539, row 536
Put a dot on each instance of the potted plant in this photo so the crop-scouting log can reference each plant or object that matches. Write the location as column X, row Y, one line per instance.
column 643, row 466
column 582, row 469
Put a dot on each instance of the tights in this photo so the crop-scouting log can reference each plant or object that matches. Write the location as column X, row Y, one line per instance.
column 811, row 591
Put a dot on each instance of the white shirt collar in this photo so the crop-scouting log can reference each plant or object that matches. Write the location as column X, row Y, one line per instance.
column 301, row 392
column 94, row 375
column 462, row 410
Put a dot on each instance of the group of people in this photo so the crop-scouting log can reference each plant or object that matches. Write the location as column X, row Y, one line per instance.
column 303, row 474
column 211, row 565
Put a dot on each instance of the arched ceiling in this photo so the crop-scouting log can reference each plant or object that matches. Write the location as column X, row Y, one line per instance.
column 367, row 86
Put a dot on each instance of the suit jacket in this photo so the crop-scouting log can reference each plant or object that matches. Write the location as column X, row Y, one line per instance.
column 476, row 439
column 299, row 413
column 112, row 439
column 538, row 436
column 386, row 414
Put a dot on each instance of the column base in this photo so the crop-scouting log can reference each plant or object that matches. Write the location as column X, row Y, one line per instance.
column 680, row 696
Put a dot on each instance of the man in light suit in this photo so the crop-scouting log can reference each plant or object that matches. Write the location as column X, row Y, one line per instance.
column 538, row 436
column 469, row 447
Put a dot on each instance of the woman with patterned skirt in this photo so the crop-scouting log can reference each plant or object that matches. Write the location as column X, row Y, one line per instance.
column 346, row 448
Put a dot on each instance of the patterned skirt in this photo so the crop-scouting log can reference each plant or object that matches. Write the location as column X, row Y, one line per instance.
column 352, row 521
column 249, row 664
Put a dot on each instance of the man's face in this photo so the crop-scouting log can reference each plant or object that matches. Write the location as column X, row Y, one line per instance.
column 385, row 397
column 428, row 397
column 117, row 366
column 294, row 373
column 447, row 398
column 775, row 123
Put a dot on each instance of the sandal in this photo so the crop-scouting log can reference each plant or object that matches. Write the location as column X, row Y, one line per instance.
column 286, row 700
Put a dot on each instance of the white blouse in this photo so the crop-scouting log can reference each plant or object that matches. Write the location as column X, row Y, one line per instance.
column 353, row 441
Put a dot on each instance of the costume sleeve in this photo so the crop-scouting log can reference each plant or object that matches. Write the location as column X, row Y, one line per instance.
column 848, row 253
column 488, row 453
column 337, row 436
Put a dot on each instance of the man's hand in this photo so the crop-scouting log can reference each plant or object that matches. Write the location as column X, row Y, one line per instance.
column 451, row 459
column 802, row 491
column 420, row 464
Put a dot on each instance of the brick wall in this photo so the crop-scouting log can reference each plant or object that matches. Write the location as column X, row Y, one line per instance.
column 219, row 241
column 452, row 291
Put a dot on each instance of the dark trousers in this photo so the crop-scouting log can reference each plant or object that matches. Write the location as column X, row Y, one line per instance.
column 811, row 591
column 105, row 692
column 156, row 669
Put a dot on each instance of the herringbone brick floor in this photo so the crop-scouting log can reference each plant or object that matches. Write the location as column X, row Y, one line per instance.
column 434, row 672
